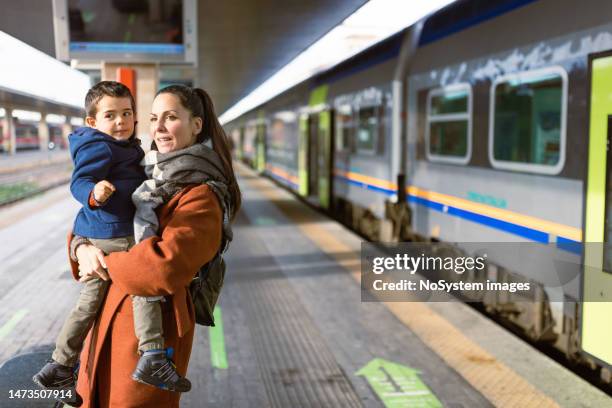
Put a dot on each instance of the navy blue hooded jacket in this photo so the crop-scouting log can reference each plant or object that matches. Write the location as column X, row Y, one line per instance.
column 97, row 156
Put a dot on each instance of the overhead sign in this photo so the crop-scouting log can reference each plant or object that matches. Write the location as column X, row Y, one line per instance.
column 126, row 31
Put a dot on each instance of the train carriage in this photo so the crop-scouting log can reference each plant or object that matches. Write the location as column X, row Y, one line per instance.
column 501, row 137
column 27, row 136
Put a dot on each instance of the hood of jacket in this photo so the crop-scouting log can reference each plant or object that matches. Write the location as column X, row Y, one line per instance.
column 84, row 135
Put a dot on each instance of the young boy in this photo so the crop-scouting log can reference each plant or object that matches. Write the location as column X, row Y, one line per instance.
column 107, row 170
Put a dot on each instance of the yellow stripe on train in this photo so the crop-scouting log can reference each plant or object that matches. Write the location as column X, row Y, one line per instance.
column 528, row 221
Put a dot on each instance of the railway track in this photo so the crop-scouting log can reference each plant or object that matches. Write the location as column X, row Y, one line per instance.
column 22, row 183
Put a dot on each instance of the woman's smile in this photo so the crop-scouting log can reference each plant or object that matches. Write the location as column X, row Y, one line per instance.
column 162, row 139
column 172, row 125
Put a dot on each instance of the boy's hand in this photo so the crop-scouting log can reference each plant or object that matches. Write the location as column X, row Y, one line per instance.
column 102, row 191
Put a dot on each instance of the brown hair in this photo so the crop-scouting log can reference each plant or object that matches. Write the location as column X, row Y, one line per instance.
column 199, row 103
column 106, row 88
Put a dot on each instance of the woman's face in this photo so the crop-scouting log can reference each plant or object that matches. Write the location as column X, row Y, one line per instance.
column 172, row 125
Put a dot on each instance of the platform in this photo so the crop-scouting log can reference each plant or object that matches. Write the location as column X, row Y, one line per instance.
column 293, row 332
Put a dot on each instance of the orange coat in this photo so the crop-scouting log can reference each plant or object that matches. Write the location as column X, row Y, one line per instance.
column 190, row 225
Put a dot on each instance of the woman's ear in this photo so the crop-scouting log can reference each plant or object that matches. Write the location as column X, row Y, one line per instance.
column 196, row 125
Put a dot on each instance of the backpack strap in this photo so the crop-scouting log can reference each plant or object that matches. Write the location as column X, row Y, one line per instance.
column 221, row 190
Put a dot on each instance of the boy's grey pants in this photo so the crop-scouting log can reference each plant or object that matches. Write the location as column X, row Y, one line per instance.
column 147, row 313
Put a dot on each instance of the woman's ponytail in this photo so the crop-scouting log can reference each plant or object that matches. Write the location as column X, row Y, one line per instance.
column 199, row 103
column 212, row 127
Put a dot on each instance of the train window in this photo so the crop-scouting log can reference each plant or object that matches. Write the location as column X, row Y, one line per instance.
column 527, row 124
column 367, row 131
column 449, row 125
column 277, row 134
column 344, row 128
column 281, row 142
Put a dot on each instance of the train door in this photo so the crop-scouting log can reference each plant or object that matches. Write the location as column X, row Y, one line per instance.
column 303, row 155
column 241, row 143
column 596, row 325
column 313, row 152
column 316, row 149
column 260, row 147
column 315, row 131
column 324, row 156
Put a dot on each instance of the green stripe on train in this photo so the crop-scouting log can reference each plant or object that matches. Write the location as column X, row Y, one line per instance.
column 318, row 95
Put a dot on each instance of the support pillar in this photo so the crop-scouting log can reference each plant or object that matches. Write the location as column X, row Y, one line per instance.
column 10, row 137
column 66, row 130
column 43, row 132
column 147, row 84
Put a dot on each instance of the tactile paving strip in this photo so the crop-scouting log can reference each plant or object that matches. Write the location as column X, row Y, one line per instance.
column 296, row 365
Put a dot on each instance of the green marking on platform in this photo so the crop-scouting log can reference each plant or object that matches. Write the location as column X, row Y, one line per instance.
column 398, row 385
column 12, row 322
column 218, row 357
column 131, row 18
column 127, row 37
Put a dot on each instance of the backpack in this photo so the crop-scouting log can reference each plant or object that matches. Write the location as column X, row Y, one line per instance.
column 206, row 286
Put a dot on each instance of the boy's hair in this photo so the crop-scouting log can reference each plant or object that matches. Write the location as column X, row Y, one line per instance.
column 106, row 88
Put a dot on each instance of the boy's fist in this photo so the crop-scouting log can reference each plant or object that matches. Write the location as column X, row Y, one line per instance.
column 102, row 191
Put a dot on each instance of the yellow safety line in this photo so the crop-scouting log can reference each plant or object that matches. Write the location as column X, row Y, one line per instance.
column 502, row 386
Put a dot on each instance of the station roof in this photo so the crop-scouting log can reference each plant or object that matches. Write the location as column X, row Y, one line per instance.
column 32, row 79
column 243, row 43
column 240, row 43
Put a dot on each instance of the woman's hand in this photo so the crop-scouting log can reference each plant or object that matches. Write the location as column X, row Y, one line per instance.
column 91, row 263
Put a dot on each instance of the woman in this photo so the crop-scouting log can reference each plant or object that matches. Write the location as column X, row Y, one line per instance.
column 189, row 235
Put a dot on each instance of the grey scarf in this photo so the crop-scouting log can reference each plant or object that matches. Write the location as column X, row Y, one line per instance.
column 171, row 172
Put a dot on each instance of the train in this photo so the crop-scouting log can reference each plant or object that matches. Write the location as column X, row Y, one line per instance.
column 485, row 122
column 27, row 136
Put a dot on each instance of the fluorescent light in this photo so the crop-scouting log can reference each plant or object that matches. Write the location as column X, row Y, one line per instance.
column 286, row 116
column 56, row 119
column 27, row 115
column 25, row 70
column 77, row 121
column 373, row 22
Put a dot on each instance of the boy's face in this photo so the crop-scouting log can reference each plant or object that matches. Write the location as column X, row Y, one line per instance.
column 114, row 116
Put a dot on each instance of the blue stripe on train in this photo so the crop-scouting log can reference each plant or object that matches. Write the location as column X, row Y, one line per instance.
column 367, row 186
column 525, row 232
column 283, row 180
column 569, row 245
